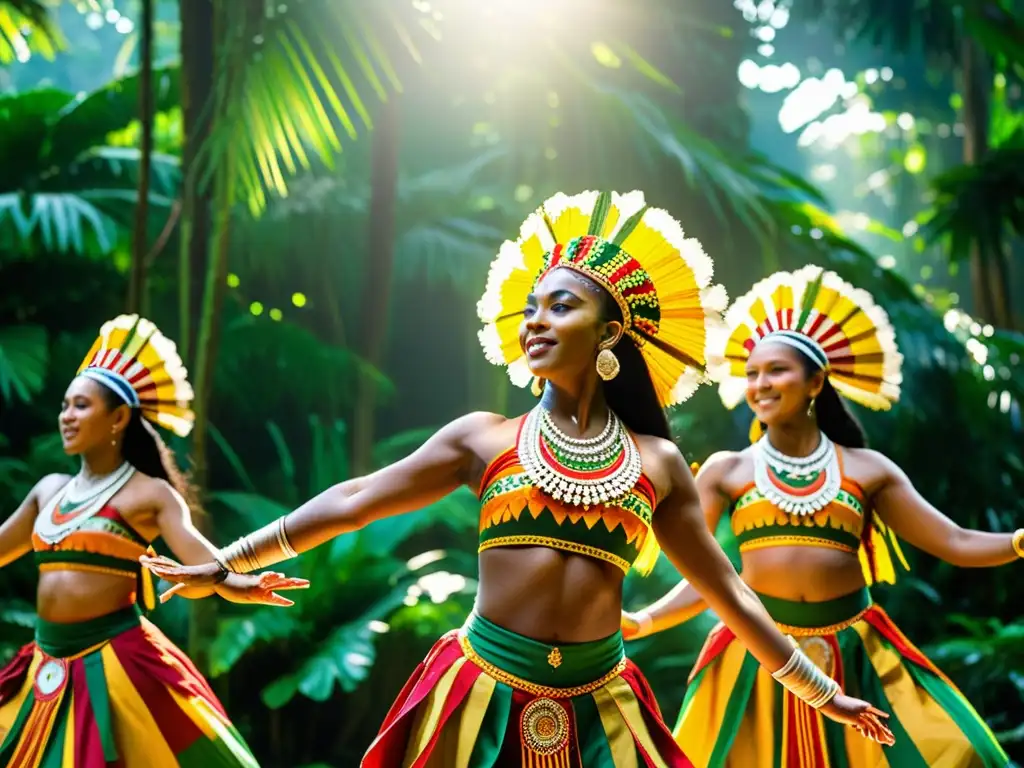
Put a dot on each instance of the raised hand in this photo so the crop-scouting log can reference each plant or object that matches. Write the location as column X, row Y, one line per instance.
column 199, row 581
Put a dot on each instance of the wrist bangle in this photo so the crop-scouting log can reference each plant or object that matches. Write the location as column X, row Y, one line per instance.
column 222, row 573
column 1018, row 542
column 805, row 681
column 260, row 549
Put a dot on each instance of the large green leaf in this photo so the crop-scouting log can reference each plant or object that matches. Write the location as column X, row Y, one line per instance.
column 344, row 658
column 24, row 358
column 238, row 634
column 25, row 120
column 85, row 122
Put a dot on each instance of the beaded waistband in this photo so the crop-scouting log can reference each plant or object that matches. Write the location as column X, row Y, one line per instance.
column 541, row 669
column 822, row 618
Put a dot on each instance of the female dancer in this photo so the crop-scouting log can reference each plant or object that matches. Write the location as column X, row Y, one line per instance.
column 815, row 514
column 101, row 685
column 573, row 494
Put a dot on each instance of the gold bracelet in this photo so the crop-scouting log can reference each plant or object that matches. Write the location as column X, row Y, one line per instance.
column 260, row 549
column 1018, row 542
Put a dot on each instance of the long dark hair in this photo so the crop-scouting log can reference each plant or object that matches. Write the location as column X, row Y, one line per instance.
column 145, row 450
column 834, row 418
column 631, row 394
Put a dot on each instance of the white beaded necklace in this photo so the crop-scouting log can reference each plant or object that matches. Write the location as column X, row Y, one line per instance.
column 579, row 471
column 783, row 480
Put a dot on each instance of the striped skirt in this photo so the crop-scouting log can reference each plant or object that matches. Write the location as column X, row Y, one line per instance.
column 113, row 691
column 487, row 697
column 736, row 716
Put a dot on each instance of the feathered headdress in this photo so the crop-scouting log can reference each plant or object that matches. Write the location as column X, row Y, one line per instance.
column 841, row 329
column 143, row 368
column 838, row 326
column 660, row 279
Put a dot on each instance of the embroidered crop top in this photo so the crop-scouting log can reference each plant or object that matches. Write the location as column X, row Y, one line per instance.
column 514, row 512
column 104, row 543
column 847, row 524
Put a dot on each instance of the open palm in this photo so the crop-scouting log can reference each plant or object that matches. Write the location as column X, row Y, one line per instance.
column 198, row 581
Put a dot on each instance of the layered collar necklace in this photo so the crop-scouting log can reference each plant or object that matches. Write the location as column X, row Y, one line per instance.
column 798, row 485
column 579, row 471
column 78, row 501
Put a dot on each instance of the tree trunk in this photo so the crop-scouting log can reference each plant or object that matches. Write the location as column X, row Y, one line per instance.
column 137, row 293
column 197, row 70
column 989, row 272
column 376, row 294
column 197, row 64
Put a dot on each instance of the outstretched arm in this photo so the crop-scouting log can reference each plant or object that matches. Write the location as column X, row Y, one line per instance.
column 174, row 519
column 16, row 530
column 436, row 469
column 683, row 534
column 917, row 522
column 683, row 602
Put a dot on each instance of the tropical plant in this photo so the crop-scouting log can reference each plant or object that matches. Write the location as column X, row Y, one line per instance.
column 326, row 643
column 978, row 39
column 62, row 188
column 26, row 28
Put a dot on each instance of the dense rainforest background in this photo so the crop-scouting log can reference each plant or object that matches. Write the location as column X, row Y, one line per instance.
column 305, row 195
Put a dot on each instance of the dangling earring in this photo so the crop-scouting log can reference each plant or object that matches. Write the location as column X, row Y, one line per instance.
column 810, row 408
column 537, row 387
column 607, row 364
column 113, row 437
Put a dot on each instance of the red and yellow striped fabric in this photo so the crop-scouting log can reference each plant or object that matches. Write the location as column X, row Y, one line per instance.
column 454, row 714
column 132, row 701
column 736, row 716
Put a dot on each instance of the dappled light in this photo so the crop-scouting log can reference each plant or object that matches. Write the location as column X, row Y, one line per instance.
column 306, row 197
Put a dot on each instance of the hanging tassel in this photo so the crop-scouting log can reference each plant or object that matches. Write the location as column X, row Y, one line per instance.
column 147, row 592
column 878, row 545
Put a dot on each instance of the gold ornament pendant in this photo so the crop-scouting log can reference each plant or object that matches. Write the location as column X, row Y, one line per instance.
column 607, row 365
column 544, row 730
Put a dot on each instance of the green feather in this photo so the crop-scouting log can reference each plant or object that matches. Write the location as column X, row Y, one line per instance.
column 600, row 214
column 810, row 296
column 628, row 226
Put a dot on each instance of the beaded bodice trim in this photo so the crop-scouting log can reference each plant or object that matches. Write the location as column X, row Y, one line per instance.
column 105, row 542
column 758, row 523
column 515, row 512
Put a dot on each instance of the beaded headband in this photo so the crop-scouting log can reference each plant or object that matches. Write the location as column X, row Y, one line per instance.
column 838, row 326
column 141, row 365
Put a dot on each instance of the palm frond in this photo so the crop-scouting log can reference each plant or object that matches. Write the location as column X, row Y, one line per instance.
column 24, row 359
column 980, row 202
column 26, row 28
column 284, row 94
column 56, row 221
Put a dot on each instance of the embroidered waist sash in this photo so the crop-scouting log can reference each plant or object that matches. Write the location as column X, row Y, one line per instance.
column 559, row 671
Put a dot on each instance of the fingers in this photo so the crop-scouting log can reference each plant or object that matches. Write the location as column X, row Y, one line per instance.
column 869, row 726
column 273, row 581
column 877, row 712
column 165, row 596
column 275, row 599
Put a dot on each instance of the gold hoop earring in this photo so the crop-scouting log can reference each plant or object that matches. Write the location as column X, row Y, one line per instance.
column 537, row 387
column 810, row 408
column 607, row 364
